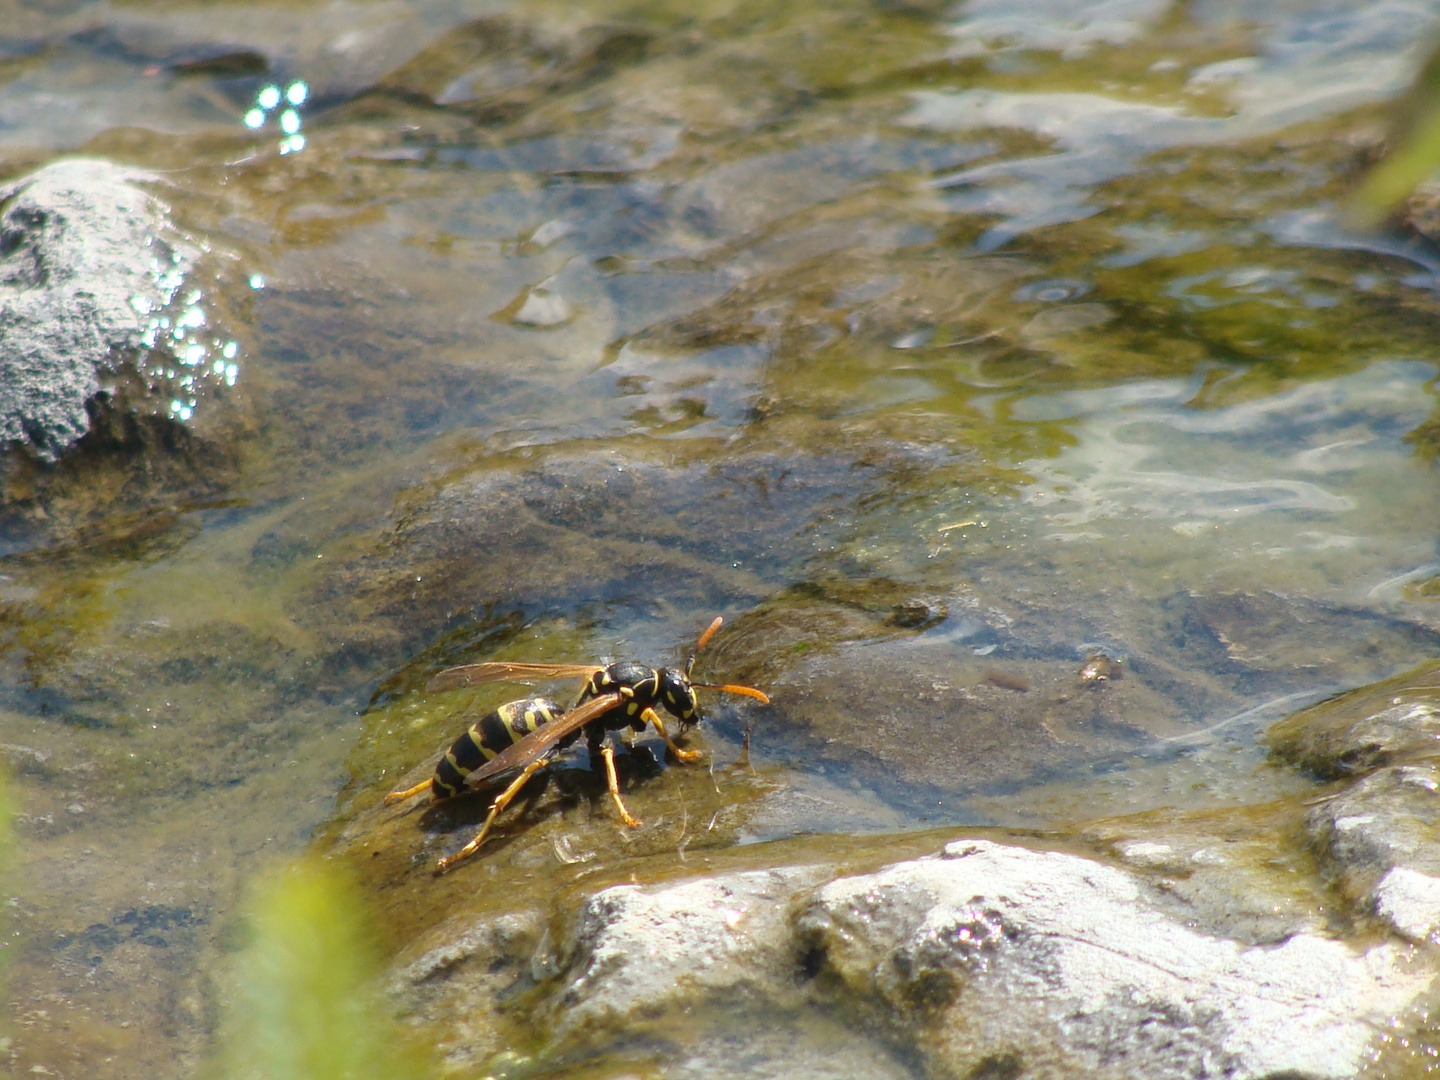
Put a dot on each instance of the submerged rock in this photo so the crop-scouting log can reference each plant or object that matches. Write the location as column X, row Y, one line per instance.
column 1353, row 733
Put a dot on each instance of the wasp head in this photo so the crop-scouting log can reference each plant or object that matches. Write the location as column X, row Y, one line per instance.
column 678, row 696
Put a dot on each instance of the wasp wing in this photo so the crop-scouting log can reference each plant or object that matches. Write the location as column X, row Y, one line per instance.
column 500, row 671
column 536, row 743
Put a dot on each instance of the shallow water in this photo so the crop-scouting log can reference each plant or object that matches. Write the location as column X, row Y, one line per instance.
column 939, row 348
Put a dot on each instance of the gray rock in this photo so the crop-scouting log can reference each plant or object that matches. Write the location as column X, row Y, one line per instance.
column 1378, row 837
column 986, row 960
column 638, row 951
column 459, row 974
column 1380, row 840
column 1410, row 902
column 1053, row 965
column 91, row 273
column 493, row 938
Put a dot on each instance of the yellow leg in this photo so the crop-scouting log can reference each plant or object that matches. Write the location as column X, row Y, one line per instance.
column 686, row 756
column 608, row 753
column 501, row 801
column 397, row 796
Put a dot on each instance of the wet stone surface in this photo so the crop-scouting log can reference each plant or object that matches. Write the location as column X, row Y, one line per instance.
column 1354, row 733
column 960, row 943
column 1374, row 830
column 933, row 962
column 108, row 348
column 1007, row 375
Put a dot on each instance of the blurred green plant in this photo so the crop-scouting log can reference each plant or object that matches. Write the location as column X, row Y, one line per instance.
column 306, row 1004
column 6, row 840
column 1414, row 149
column 7, row 941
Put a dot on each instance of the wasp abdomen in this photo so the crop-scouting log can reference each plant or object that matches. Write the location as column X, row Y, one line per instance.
column 487, row 737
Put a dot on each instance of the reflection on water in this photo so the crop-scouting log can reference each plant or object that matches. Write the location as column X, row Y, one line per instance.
column 268, row 101
column 177, row 338
column 940, row 349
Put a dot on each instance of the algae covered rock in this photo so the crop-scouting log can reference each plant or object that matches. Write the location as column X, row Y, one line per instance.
column 1350, row 734
column 1380, row 840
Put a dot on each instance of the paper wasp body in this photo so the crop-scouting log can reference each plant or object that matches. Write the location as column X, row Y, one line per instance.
column 524, row 736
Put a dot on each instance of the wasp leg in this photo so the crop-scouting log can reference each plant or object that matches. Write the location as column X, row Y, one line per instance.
column 608, row 753
column 682, row 755
column 501, row 801
column 397, row 796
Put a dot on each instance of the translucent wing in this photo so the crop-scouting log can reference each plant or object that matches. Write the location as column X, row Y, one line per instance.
column 500, row 671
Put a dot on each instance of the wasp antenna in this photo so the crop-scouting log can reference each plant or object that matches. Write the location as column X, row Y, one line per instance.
column 705, row 637
column 709, row 632
column 731, row 688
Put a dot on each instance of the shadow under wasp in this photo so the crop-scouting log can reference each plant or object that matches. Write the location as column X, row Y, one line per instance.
column 526, row 735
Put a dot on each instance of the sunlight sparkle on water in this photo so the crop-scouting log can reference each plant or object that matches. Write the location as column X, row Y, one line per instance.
column 268, row 100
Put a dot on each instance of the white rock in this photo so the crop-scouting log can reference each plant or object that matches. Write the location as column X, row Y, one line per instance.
column 996, row 950
column 1409, row 901
column 639, row 949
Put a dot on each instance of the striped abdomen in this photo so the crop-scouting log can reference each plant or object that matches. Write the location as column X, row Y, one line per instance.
column 487, row 737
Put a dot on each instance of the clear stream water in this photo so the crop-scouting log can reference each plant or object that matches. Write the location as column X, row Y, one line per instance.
column 951, row 344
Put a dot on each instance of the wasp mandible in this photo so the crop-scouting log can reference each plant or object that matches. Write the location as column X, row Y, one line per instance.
column 526, row 735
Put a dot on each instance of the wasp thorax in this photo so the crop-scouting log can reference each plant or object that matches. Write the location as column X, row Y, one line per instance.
column 627, row 674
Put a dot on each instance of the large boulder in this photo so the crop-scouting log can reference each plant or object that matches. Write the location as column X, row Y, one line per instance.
column 1050, row 965
column 986, row 959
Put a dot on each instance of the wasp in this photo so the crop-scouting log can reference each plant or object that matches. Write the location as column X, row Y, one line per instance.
column 525, row 736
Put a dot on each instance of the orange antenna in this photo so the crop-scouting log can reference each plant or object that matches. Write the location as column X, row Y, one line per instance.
column 704, row 638
column 731, row 688
column 709, row 632
column 724, row 688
